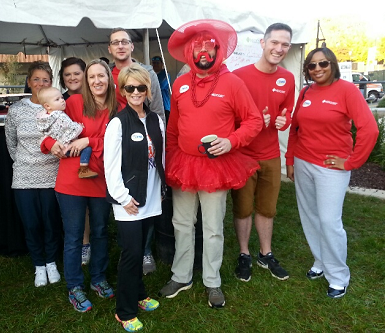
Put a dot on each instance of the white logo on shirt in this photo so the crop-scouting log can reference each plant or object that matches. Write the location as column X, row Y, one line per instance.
column 137, row 137
column 306, row 103
column 278, row 91
column 280, row 82
column 217, row 95
column 329, row 102
column 184, row 88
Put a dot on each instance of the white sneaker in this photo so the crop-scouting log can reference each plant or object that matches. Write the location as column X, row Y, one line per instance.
column 86, row 254
column 40, row 276
column 52, row 272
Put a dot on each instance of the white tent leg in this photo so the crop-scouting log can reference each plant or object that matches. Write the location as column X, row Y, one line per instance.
column 146, row 46
column 54, row 58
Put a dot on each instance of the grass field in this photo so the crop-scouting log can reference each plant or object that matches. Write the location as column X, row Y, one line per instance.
column 262, row 305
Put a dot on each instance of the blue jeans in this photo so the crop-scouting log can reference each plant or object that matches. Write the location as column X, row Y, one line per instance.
column 40, row 215
column 85, row 155
column 73, row 210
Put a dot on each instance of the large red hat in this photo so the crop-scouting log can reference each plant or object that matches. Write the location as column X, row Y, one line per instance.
column 224, row 33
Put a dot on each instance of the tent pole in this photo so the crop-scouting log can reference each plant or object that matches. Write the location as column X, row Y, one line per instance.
column 164, row 62
column 146, row 46
column 301, row 64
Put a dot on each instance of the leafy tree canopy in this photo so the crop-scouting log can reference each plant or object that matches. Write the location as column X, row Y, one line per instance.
column 346, row 36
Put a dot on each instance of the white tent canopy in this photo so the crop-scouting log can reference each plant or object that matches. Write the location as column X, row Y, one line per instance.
column 81, row 28
column 29, row 27
column 64, row 28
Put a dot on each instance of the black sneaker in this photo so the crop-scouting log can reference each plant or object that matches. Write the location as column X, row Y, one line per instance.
column 216, row 297
column 269, row 262
column 311, row 275
column 336, row 293
column 243, row 270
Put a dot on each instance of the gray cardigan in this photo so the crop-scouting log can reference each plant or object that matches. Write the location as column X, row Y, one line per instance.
column 31, row 168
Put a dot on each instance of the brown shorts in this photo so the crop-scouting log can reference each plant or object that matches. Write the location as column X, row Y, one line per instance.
column 262, row 187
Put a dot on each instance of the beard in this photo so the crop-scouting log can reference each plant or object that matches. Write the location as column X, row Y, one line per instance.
column 209, row 61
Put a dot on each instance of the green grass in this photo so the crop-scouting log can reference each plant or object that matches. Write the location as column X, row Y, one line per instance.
column 262, row 305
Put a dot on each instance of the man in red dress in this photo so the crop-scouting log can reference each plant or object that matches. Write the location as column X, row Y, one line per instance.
column 207, row 100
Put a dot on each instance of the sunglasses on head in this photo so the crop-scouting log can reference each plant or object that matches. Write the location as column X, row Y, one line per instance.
column 323, row 64
column 130, row 89
column 207, row 45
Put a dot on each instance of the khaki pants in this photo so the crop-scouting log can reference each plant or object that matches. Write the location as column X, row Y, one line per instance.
column 185, row 206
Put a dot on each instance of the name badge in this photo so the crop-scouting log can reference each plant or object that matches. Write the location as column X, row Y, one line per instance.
column 137, row 137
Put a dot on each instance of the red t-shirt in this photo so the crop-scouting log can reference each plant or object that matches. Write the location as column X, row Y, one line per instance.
column 276, row 91
column 67, row 180
column 122, row 101
column 322, row 122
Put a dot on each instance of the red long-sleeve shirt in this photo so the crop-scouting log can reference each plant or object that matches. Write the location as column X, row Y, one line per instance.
column 322, row 122
column 276, row 91
column 229, row 100
column 67, row 180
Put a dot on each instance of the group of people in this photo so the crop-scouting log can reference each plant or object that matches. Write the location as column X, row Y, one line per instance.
column 117, row 121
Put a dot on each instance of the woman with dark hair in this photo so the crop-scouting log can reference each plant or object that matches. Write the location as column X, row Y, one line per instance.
column 93, row 108
column 71, row 76
column 133, row 161
column 34, row 176
column 319, row 158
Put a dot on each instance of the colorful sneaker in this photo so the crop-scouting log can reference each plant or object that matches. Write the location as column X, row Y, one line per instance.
column 243, row 270
column 148, row 304
column 40, row 276
column 103, row 289
column 132, row 325
column 86, row 254
column 52, row 272
column 216, row 297
column 269, row 262
column 172, row 288
column 149, row 265
column 79, row 300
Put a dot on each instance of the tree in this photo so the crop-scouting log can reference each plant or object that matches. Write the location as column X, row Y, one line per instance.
column 347, row 39
column 10, row 70
column 381, row 50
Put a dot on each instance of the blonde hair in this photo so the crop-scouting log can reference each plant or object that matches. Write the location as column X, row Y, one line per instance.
column 89, row 103
column 44, row 94
column 136, row 72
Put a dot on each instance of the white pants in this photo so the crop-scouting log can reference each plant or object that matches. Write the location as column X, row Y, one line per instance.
column 185, row 206
column 320, row 195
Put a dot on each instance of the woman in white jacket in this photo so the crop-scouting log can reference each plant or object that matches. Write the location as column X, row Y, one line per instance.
column 133, row 161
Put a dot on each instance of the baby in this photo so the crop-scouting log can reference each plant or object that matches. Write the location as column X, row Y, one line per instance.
column 53, row 122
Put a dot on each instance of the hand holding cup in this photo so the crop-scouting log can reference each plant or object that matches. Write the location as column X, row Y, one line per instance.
column 214, row 146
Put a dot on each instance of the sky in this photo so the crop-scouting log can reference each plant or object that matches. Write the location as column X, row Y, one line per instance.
column 371, row 12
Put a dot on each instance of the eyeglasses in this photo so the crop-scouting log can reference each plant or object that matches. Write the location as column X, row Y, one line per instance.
column 130, row 89
column 45, row 81
column 323, row 64
column 207, row 45
column 117, row 42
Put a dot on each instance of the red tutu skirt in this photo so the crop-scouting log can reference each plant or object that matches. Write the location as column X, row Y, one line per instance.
column 200, row 173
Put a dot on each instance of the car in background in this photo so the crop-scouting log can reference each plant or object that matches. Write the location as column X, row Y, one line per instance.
column 374, row 90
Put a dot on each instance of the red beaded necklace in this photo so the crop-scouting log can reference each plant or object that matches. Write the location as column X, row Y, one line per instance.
column 196, row 103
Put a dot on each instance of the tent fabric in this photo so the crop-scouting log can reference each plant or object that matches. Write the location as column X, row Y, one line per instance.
column 31, row 28
column 81, row 28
